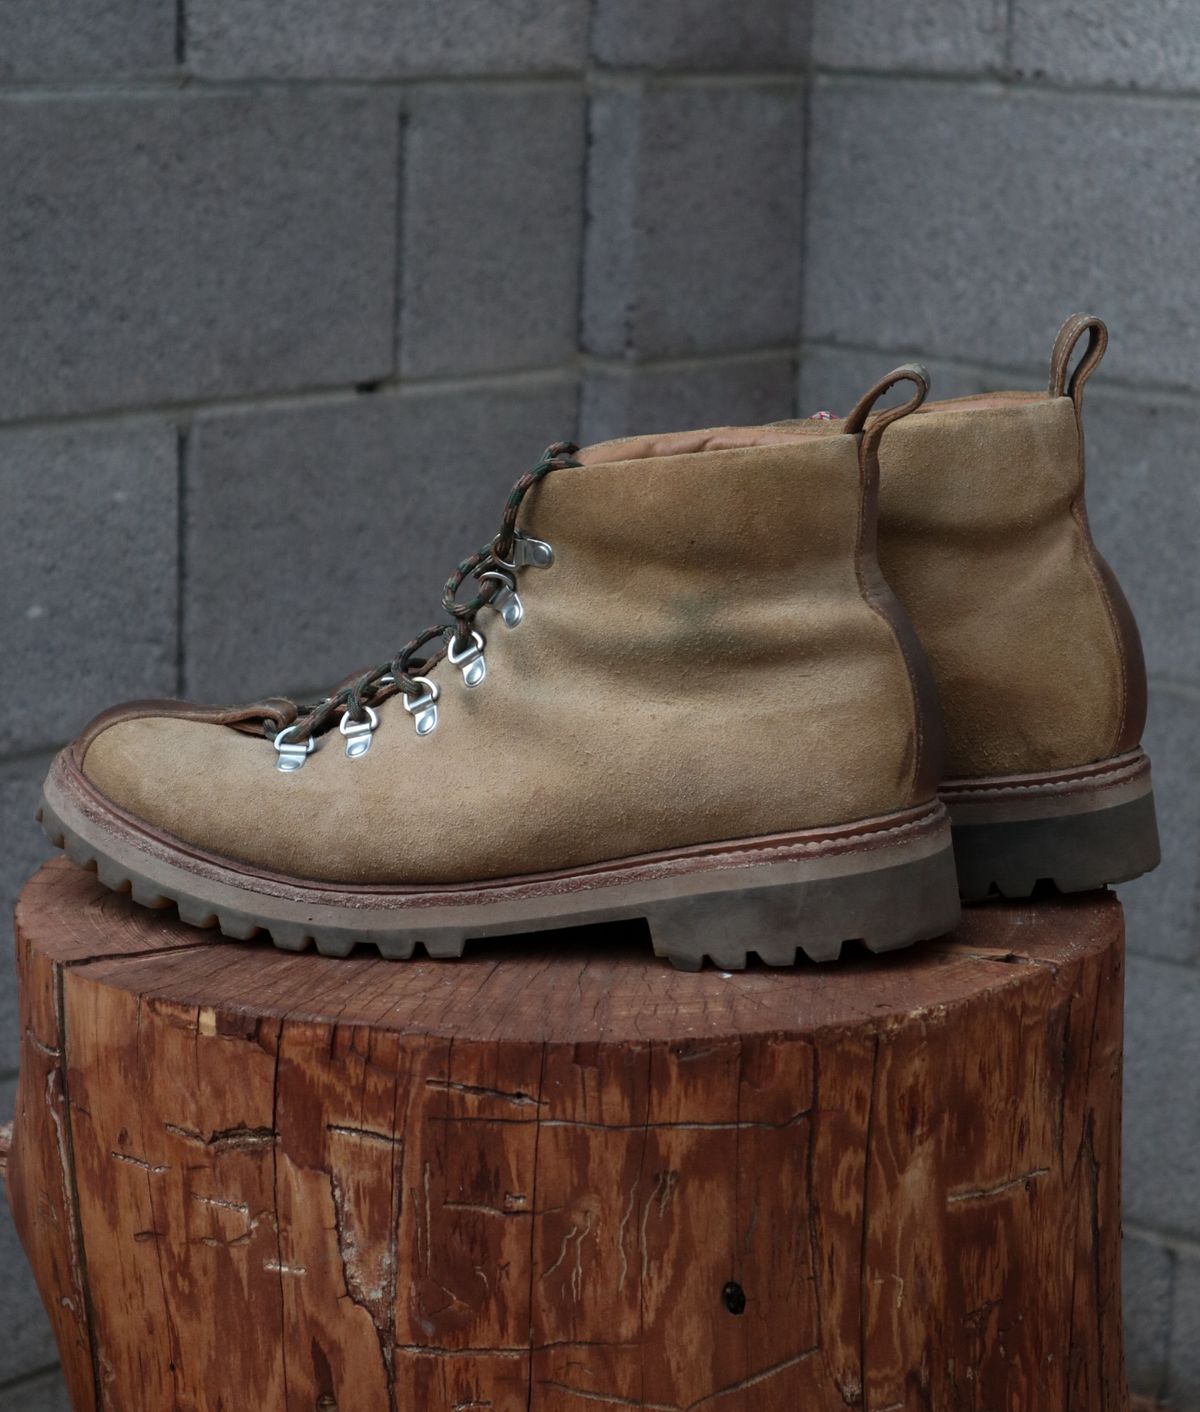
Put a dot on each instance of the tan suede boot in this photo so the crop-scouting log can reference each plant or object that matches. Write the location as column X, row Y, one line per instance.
column 682, row 692
column 984, row 536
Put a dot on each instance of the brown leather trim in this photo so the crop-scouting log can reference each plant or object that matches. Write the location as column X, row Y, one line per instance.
column 860, row 835
column 877, row 592
column 1136, row 693
column 856, row 420
column 1127, row 640
column 1073, row 328
column 248, row 718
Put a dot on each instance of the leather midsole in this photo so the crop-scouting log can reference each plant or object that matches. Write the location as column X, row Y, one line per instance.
column 1105, row 784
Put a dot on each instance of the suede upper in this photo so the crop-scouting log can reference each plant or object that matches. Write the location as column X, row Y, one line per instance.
column 984, row 537
column 707, row 658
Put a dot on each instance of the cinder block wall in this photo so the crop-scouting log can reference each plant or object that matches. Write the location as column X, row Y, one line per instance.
column 291, row 292
column 976, row 172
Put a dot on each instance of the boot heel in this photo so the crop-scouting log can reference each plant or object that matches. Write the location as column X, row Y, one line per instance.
column 885, row 908
column 1076, row 833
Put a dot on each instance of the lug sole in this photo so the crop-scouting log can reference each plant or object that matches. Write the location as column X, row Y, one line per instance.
column 887, row 885
column 1074, row 831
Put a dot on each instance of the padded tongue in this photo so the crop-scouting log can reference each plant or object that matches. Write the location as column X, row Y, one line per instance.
column 686, row 443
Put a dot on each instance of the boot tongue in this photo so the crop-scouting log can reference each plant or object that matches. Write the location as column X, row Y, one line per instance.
column 687, row 443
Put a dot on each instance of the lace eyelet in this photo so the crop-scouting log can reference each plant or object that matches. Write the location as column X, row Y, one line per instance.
column 358, row 733
column 527, row 552
column 470, row 661
column 291, row 755
column 423, row 709
column 506, row 601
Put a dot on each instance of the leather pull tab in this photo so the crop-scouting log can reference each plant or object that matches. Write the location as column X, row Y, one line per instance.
column 1064, row 346
column 857, row 419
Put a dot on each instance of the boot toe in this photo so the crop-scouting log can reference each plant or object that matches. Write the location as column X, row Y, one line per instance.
column 193, row 780
column 178, row 775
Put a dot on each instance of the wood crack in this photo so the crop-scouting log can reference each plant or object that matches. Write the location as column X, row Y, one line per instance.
column 742, row 1385
column 517, row 1099
column 226, row 1137
column 533, row 1189
column 864, row 1250
column 981, row 1193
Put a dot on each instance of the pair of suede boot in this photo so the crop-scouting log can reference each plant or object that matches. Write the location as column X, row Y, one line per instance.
column 770, row 688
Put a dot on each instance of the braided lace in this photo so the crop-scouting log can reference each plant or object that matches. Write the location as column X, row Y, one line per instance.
column 494, row 569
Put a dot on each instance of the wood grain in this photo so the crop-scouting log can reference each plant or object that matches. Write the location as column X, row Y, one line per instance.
column 541, row 1177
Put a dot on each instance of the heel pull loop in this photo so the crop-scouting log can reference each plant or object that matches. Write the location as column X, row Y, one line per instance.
column 857, row 419
column 1065, row 343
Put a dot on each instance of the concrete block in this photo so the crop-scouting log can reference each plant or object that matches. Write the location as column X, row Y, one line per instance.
column 969, row 221
column 25, row 847
column 694, row 204
column 1144, row 506
column 1163, row 908
column 620, row 400
column 1147, row 1275
column 1162, row 1096
column 27, row 1345
column 89, row 39
column 833, row 379
column 320, row 537
column 942, row 36
column 176, row 246
column 382, row 39
column 1183, row 1379
column 45, row 1392
column 1154, row 46
column 88, row 573
column 704, row 34
column 493, row 217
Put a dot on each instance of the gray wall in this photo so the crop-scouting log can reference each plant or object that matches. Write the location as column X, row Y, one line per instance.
column 292, row 290
column 976, row 172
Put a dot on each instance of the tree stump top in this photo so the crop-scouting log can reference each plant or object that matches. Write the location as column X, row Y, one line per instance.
column 558, row 1176
column 583, row 985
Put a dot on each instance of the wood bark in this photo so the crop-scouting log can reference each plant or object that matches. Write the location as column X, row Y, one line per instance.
column 558, row 1175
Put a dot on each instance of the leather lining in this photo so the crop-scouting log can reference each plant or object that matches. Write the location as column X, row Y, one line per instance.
column 731, row 438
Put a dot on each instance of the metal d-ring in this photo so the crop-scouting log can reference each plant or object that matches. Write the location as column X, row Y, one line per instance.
column 290, row 755
column 358, row 733
column 527, row 552
column 506, row 600
column 470, row 661
column 423, row 709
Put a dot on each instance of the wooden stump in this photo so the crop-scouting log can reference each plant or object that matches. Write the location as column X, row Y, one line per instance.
column 561, row 1176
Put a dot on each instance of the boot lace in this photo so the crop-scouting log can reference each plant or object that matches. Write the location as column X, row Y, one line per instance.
column 494, row 567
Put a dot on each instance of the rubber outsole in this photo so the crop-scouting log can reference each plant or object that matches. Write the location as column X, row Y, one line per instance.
column 896, row 889
column 1075, row 833
column 1073, row 853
